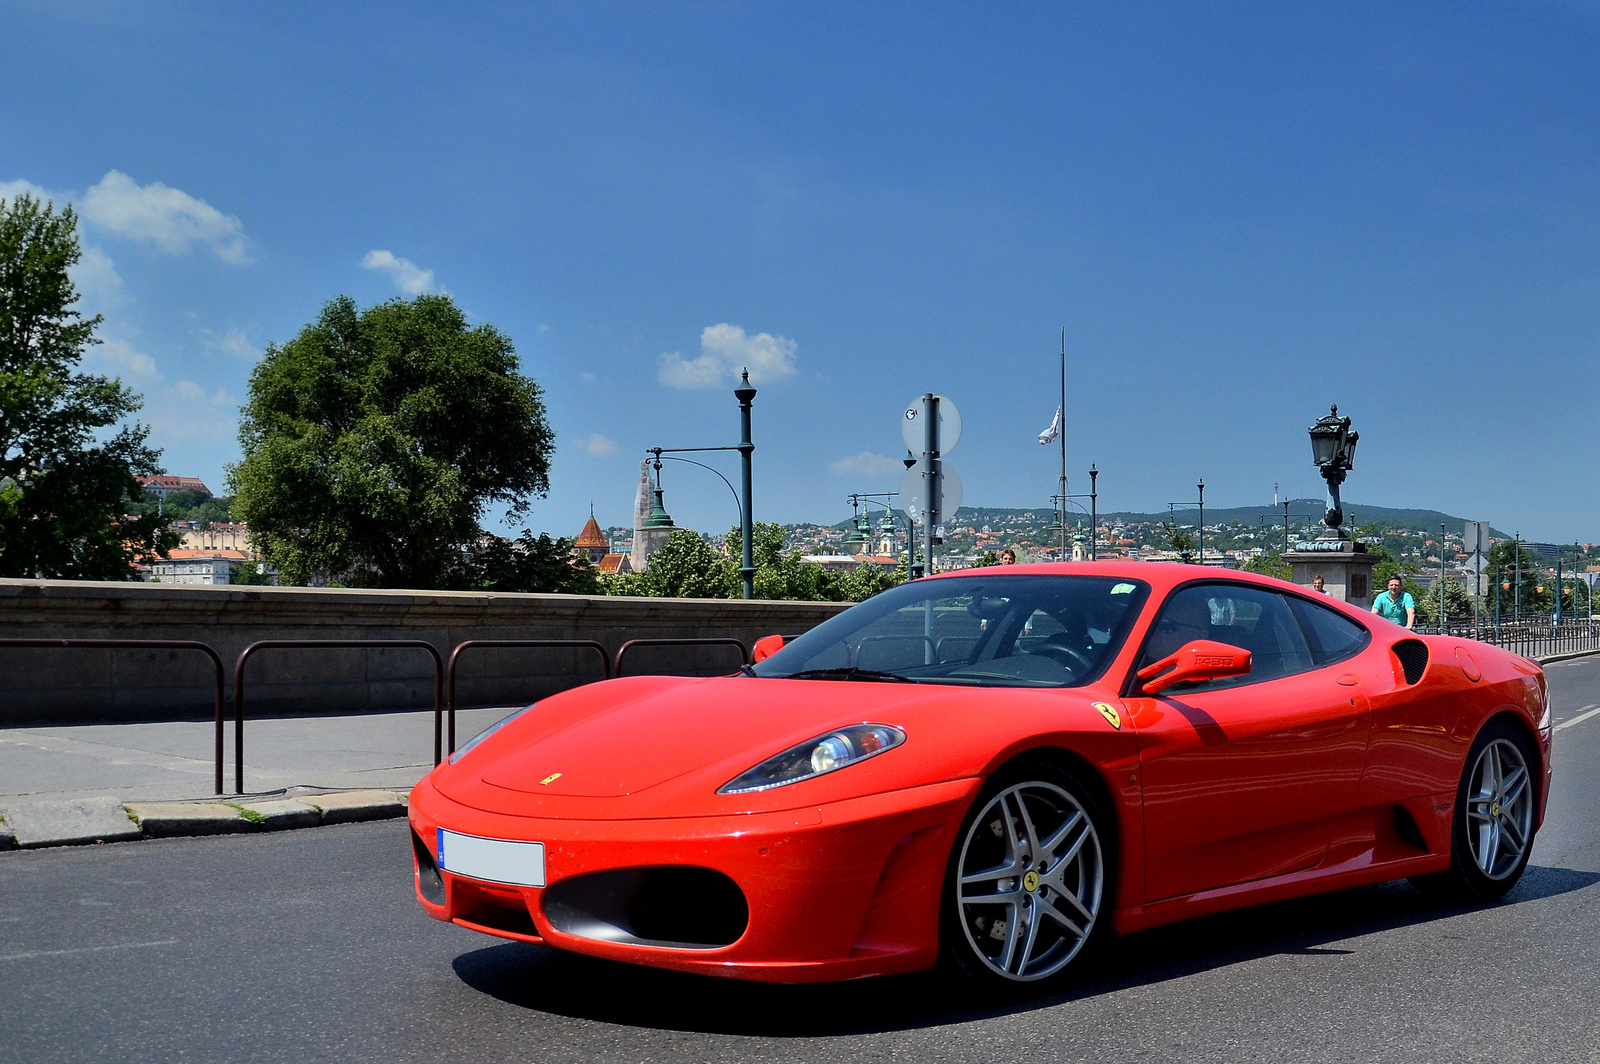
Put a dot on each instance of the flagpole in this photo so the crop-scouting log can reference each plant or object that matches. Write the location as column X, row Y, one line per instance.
column 1063, row 411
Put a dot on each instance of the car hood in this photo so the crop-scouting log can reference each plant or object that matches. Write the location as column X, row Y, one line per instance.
column 623, row 747
column 661, row 746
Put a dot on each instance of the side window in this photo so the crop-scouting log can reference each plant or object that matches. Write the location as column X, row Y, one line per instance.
column 1333, row 636
column 1252, row 618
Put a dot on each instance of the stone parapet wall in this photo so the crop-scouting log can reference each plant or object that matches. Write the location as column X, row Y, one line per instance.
column 82, row 685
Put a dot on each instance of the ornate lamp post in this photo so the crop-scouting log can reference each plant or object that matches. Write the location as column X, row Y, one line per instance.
column 1345, row 565
column 1333, row 449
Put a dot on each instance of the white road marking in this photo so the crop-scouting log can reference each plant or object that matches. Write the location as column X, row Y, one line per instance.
column 1580, row 718
column 87, row 949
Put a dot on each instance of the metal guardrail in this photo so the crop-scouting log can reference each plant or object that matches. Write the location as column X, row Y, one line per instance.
column 1531, row 638
column 622, row 651
column 324, row 644
column 143, row 644
column 610, row 667
column 472, row 644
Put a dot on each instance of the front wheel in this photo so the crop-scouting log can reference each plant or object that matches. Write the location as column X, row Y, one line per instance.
column 1029, row 884
column 1491, row 832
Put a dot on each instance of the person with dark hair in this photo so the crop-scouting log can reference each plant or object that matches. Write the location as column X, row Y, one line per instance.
column 1008, row 557
column 1317, row 584
column 1396, row 604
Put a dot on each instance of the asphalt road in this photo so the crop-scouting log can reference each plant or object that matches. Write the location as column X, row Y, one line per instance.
column 307, row 946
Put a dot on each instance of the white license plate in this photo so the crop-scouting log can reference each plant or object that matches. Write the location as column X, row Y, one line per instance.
column 495, row 860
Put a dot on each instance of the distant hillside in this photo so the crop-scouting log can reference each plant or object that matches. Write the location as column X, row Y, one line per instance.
column 1300, row 510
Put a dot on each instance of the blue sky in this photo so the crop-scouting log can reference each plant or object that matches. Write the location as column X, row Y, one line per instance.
column 1239, row 213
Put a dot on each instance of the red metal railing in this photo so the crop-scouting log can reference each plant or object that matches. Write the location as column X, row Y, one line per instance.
column 319, row 644
column 144, row 644
column 622, row 651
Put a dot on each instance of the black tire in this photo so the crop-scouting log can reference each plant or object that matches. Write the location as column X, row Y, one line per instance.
column 1052, row 900
column 1492, row 824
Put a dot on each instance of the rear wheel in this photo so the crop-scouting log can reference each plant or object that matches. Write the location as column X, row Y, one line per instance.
column 1492, row 830
column 1028, row 887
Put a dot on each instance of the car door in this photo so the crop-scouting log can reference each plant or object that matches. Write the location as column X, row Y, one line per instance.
column 1243, row 778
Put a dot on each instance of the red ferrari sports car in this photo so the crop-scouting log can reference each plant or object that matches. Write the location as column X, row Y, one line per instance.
column 995, row 767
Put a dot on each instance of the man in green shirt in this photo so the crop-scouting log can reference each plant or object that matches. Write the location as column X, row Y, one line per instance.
column 1396, row 605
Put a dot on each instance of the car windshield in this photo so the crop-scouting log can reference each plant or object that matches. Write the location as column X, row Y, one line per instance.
column 977, row 631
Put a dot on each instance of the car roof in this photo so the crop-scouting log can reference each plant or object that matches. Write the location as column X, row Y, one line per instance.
column 1161, row 576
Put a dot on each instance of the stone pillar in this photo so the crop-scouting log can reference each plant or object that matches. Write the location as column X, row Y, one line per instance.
column 1346, row 574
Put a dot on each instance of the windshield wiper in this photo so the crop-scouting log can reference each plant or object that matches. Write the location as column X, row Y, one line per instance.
column 850, row 673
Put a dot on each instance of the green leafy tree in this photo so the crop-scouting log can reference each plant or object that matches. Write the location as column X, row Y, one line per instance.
column 215, row 510
column 1179, row 541
column 986, row 559
column 1270, row 565
column 1515, row 565
column 529, row 563
column 374, row 440
column 67, row 490
column 1457, row 601
column 253, row 574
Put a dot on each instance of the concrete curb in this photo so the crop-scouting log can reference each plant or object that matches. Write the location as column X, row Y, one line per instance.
column 1546, row 659
column 91, row 820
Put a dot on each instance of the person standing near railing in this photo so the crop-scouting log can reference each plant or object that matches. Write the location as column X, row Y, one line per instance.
column 1397, row 605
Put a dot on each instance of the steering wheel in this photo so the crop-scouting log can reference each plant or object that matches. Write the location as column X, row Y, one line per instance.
column 1066, row 654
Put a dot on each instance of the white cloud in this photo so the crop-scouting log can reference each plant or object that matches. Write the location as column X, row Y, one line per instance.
column 725, row 350
column 597, row 445
column 234, row 342
column 587, row 377
column 186, row 412
column 406, row 275
column 96, row 278
column 119, row 357
column 865, row 464
column 10, row 190
column 170, row 219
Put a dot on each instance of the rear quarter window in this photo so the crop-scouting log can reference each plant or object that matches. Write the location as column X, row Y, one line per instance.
column 1332, row 635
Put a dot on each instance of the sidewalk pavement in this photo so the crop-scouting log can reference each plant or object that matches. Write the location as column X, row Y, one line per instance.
column 78, row 779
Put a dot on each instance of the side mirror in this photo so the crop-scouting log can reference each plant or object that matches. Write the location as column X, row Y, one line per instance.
column 766, row 646
column 1202, row 659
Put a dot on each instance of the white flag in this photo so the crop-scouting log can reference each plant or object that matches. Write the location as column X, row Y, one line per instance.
column 1051, row 434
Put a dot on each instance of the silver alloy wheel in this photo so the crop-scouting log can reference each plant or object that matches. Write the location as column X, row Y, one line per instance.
column 1499, row 809
column 1029, row 881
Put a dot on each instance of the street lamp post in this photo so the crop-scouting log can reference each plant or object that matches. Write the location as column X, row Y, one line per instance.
column 1094, row 514
column 658, row 519
column 1333, row 449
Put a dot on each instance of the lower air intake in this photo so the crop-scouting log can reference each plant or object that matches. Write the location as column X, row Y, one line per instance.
column 687, row 908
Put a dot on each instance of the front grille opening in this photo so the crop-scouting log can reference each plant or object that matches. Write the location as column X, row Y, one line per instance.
column 429, row 881
column 687, row 908
column 498, row 910
column 1413, row 657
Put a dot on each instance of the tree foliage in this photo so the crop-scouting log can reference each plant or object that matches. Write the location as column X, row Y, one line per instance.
column 688, row 567
column 528, row 563
column 1270, row 565
column 374, row 440
column 66, row 487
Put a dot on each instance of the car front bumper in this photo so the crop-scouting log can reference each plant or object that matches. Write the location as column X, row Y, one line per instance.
column 839, row 891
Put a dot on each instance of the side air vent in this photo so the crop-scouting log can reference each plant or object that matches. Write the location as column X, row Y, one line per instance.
column 1413, row 657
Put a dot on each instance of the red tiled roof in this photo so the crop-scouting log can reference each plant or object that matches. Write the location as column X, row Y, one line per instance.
column 611, row 563
column 591, row 536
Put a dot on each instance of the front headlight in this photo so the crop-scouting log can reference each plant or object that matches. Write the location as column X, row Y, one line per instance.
column 824, row 754
column 490, row 730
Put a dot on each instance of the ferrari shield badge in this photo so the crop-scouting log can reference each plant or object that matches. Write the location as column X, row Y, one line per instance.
column 1110, row 713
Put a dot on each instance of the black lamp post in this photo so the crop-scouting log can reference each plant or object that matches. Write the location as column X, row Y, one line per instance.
column 658, row 519
column 1333, row 449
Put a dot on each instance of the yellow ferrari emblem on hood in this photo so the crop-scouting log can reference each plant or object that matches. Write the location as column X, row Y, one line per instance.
column 549, row 779
column 1110, row 713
